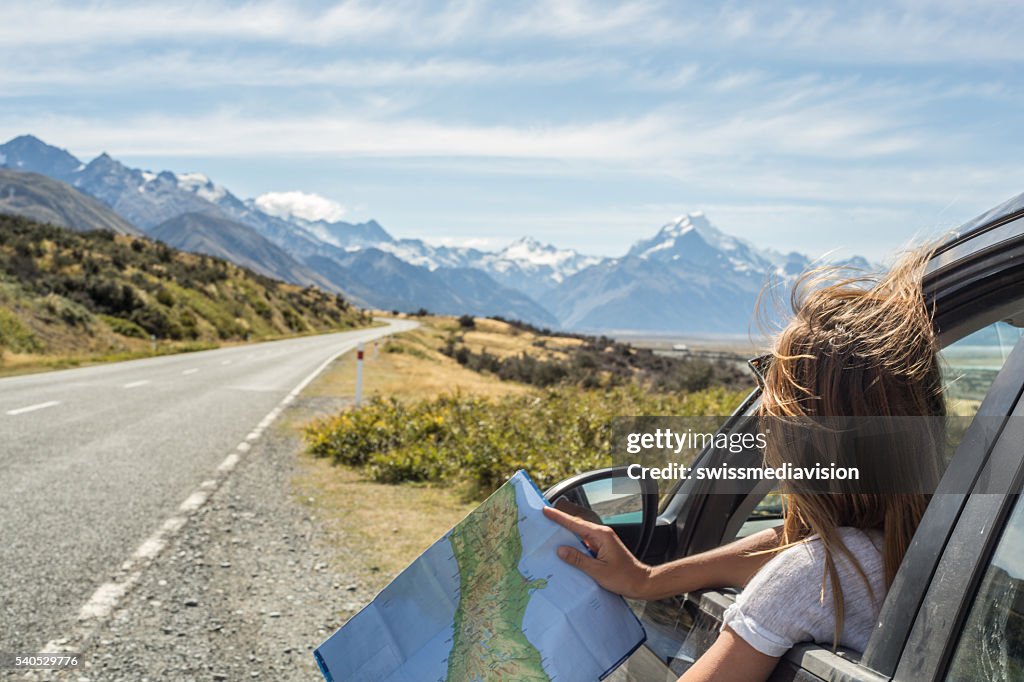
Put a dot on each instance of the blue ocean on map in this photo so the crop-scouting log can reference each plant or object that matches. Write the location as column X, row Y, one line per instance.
column 558, row 618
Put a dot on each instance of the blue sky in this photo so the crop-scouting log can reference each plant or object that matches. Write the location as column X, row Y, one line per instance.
column 800, row 127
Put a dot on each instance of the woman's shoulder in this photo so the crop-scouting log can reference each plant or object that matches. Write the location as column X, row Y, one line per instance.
column 790, row 599
column 812, row 549
column 792, row 570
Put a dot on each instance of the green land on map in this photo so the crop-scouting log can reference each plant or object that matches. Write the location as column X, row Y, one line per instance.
column 489, row 643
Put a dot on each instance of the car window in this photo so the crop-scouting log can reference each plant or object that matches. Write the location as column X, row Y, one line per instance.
column 991, row 646
column 970, row 365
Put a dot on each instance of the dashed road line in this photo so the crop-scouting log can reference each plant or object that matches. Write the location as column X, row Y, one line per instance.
column 229, row 463
column 136, row 384
column 33, row 408
column 190, row 371
column 107, row 596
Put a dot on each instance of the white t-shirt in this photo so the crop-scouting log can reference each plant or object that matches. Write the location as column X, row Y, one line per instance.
column 782, row 606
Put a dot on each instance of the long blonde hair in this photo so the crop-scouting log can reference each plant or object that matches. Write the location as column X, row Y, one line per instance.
column 856, row 347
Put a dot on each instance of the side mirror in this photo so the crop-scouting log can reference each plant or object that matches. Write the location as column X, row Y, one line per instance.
column 626, row 505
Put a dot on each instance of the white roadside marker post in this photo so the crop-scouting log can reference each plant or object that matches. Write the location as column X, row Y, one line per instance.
column 359, row 374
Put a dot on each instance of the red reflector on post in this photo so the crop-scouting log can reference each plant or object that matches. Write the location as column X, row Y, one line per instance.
column 359, row 355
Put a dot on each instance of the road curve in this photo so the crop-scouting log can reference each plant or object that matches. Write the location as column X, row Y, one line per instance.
column 95, row 459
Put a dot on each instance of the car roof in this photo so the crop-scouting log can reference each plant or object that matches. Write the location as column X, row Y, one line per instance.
column 993, row 228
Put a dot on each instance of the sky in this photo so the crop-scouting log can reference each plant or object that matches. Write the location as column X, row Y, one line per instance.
column 849, row 128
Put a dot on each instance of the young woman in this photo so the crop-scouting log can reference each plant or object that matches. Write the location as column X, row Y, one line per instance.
column 854, row 348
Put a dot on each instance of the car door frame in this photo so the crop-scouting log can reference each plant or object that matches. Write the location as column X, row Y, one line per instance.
column 953, row 587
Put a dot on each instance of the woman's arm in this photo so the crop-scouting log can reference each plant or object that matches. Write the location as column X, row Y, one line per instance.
column 617, row 570
column 731, row 659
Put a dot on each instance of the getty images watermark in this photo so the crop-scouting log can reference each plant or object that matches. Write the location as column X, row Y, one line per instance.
column 677, row 442
column 851, row 455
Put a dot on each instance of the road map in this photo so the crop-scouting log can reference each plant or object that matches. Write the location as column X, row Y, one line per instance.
column 488, row 601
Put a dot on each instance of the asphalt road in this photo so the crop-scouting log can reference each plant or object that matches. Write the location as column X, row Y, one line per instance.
column 94, row 460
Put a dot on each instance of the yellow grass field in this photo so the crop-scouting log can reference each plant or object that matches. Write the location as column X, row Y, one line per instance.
column 411, row 366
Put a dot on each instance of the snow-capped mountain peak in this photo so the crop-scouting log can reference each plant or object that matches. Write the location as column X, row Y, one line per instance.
column 529, row 252
column 693, row 239
column 529, row 259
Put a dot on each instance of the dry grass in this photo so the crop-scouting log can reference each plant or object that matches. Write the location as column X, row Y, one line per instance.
column 410, row 366
column 14, row 364
column 385, row 526
column 504, row 340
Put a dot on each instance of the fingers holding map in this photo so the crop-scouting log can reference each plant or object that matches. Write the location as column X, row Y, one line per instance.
column 488, row 601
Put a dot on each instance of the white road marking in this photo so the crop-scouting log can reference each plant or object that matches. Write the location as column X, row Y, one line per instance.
column 107, row 596
column 194, row 501
column 33, row 408
column 229, row 463
column 136, row 384
column 226, row 362
column 190, row 371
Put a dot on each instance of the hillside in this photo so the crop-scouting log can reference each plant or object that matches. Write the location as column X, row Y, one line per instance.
column 51, row 201
column 242, row 245
column 85, row 294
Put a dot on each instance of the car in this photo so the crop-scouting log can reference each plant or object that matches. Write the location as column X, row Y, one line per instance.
column 955, row 610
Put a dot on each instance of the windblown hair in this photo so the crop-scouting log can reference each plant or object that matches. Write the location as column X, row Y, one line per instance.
column 857, row 346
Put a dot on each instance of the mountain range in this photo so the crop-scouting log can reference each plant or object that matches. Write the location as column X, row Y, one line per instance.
column 688, row 277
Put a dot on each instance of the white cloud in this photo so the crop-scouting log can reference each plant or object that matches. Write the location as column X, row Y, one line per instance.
column 482, row 243
column 899, row 32
column 190, row 70
column 230, row 133
column 54, row 22
column 300, row 205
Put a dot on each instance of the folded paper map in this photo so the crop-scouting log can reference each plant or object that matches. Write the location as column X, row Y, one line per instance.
column 488, row 601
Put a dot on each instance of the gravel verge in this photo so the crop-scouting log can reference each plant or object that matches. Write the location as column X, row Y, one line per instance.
column 247, row 589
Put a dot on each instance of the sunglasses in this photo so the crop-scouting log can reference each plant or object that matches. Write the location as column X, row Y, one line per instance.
column 759, row 366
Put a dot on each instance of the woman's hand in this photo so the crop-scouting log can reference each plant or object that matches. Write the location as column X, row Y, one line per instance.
column 614, row 568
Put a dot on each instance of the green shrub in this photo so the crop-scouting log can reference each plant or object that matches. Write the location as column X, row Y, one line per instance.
column 14, row 335
column 392, row 346
column 124, row 327
column 165, row 297
column 601, row 362
column 70, row 312
column 480, row 442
